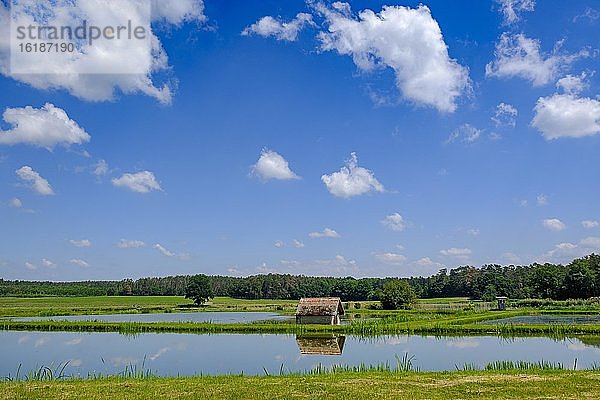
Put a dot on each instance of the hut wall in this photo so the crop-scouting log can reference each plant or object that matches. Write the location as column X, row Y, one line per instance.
column 318, row 319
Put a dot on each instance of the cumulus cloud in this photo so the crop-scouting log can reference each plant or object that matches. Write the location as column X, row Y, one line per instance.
column 141, row 182
column 43, row 127
column 33, row 179
column 79, row 262
column 427, row 263
column 511, row 9
column 269, row 26
column 96, row 72
column 590, row 14
column 390, row 258
column 15, row 203
column 505, row 115
column 465, row 133
column 542, row 200
column 351, row 180
column 474, row 232
column 130, row 244
column 279, row 244
column 325, row 233
column 554, row 224
column 80, row 243
column 297, row 244
column 47, row 263
column 589, row 224
column 101, row 168
column 394, row 222
column 573, row 84
column 565, row 115
column 407, row 40
column 271, row 165
column 516, row 55
column 166, row 252
column 565, row 252
column 456, row 252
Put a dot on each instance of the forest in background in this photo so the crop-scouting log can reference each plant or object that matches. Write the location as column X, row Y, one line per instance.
column 579, row 279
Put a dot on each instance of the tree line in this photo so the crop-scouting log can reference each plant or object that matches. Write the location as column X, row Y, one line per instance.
column 576, row 280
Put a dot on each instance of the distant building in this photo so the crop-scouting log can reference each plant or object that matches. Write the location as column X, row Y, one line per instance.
column 319, row 310
column 501, row 302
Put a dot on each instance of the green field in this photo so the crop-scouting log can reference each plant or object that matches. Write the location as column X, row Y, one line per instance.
column 518, row 385
column 49, row 306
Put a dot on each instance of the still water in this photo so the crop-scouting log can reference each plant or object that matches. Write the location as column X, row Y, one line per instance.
column 214, row 317
column 175, row 354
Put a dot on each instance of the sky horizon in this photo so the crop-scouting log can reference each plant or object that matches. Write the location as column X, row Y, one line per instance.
column 364, row 139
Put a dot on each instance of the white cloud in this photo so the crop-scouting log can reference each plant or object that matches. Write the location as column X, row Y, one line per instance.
column 271, row 165
column 590, row 243
column 141, row 182
column 474, row 232
column 351, row 180
column 465, row 133
column 130, row 244
column 43, row 127
column 394, row 222
column 113, row 62
column 505, row 115
column 15, row 203
column 512, row 8
column 390, row 258
column 589, row 224
column 566, row 252
column 80, row 243
column 34, row 180
column 47, row 263
column 564, row 115
column 326, row 233
column 79, row 262
column 101, row 168
column 520, row 56
column 590, row 14
column 523, row 203
column 169, row 253
column 409, row 41
column 573, row 84
column 279, row 244
column 30, row 266
column 297, row 244
column 553, row 224
column 428, row 263
column 269, row 26
column 456, row 252
column 511, row 258
column 542, row 200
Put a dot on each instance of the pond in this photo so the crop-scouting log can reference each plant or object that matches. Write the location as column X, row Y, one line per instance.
column 547, row 319
column 214, row 317
column 168, row 354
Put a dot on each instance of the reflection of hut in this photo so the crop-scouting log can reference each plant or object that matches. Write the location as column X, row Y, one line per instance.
column 321, row 344
column 501, row 302
column 319, row 310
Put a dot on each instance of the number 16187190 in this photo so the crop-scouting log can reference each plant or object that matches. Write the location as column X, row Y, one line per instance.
column 46, row 47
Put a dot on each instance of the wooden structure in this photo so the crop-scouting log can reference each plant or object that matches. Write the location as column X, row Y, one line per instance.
column 328, row 345
column 501, row 302
column 319, row 310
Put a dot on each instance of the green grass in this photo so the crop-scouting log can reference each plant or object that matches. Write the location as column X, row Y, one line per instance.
column 543, row 384
column 51, row 306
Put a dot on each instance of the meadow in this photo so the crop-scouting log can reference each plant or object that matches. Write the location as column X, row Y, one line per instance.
column 476, row 385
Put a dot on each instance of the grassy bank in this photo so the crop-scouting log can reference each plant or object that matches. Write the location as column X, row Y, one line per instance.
column 348, row 385
column 50, row 306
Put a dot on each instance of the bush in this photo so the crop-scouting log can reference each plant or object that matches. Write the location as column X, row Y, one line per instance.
column 397, row 294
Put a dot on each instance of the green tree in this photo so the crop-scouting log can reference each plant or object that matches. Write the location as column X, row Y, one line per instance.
column 199, row 289
column 397, row 294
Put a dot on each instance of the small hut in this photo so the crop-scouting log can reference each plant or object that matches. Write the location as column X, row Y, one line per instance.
column 319, row 310
column 501, row 302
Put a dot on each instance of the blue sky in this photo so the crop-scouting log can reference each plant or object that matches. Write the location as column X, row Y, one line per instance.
column 309, row 138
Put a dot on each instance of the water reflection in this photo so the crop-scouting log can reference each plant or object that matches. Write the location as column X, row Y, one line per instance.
column 321, row 344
